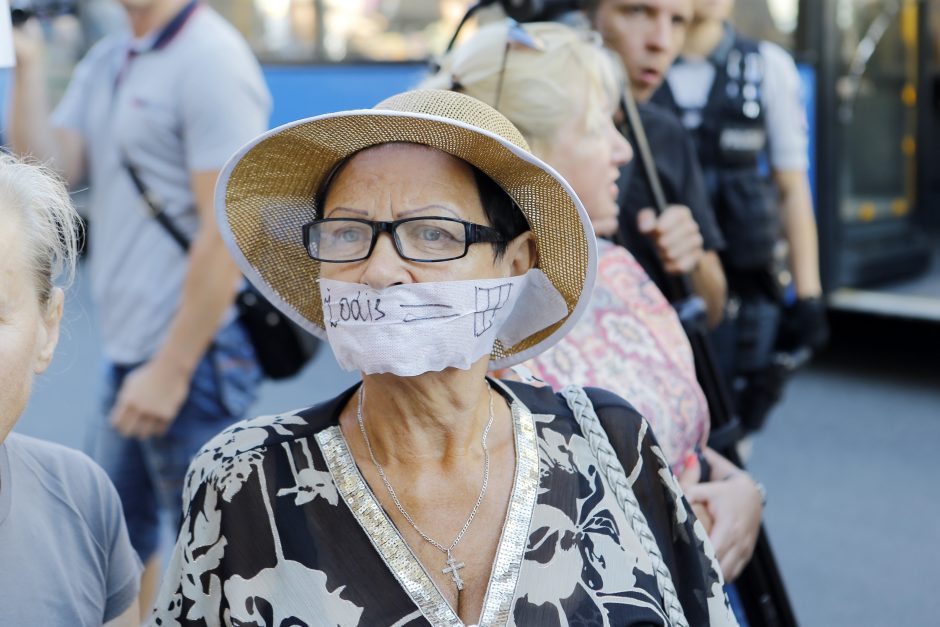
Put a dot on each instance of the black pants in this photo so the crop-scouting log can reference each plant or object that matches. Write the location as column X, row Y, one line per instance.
column 744, row 347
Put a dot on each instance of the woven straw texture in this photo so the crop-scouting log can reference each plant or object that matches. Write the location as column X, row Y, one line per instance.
column 269, row 192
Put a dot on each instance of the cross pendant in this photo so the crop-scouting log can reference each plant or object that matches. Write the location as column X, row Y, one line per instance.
column 452, row 567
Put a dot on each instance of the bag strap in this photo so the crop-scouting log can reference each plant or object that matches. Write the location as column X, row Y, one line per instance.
column 157, row 211
column 616, row 478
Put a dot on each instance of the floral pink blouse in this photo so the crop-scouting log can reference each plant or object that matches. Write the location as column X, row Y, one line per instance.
column 631, row 342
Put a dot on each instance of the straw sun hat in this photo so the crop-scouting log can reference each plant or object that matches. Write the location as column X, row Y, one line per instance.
column 267, row 191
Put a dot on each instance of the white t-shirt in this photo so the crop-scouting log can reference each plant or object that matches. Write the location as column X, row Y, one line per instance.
column 691, row 82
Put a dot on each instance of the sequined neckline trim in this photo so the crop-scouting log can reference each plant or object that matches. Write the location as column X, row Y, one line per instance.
column 399, row 557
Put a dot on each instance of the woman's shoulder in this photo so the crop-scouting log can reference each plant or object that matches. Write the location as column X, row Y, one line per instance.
column 625, row 428
column 543, row 399
column 57, row 468
column 257, row 438
column 66, row 485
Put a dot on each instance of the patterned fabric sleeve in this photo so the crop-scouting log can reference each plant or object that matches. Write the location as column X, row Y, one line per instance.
column 214, row 521
column 191, row 593
column 684, row 543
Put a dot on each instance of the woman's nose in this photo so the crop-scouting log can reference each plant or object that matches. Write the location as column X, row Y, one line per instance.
column 621, row 151
column 384, row 267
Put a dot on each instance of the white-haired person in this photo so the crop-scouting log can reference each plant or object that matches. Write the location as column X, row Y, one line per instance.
column 66, row 556
column 560, row 88
column 428, row 245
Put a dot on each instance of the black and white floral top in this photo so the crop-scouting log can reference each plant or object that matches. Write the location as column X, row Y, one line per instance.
column 281, row 530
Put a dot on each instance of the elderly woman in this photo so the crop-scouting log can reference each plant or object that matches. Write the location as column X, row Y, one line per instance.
column 558, row 87
column 427, row 244
column 64, row 548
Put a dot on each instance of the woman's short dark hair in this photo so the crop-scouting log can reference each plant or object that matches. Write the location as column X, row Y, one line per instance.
column 502, row 212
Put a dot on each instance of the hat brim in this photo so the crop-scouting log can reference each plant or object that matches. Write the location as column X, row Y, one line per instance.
column 266, row 193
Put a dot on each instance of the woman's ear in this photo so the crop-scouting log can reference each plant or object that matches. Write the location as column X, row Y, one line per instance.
column 49, row 330
column 521, row 254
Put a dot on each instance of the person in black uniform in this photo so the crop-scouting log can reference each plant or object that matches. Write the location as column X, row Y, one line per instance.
column 740, row 99
column 684, row 239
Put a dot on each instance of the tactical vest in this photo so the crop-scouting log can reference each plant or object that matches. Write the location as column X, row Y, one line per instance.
column 731, row 137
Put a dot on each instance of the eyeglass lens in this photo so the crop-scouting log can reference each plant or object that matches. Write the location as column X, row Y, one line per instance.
column 422, row 239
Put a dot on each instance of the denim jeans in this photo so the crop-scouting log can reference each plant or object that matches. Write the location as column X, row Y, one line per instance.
column 149, row 474
column 736, row 605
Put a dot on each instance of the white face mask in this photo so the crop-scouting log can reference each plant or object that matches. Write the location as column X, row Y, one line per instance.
column 411, row 329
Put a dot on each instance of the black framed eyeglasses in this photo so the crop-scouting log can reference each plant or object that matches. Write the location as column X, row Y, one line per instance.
column 425, row 239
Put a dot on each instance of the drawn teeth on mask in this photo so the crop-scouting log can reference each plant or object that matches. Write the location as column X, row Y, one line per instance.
column 430, row 315
column 489, row 300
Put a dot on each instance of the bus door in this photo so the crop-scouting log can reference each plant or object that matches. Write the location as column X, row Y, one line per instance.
column 928, row 140
column 875, row 247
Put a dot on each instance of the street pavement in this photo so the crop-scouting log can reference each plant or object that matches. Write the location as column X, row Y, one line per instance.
column 847, row 458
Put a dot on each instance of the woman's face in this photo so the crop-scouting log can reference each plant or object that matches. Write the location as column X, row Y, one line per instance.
column 28, row 330
column 395, row 181
column 588, row 151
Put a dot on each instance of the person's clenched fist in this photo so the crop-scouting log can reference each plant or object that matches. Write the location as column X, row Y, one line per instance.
column 676, row 235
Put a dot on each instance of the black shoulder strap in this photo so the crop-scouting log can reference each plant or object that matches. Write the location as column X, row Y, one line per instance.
column 733, row 52
column 719, row 56
column 157, row 212
column 718, row 92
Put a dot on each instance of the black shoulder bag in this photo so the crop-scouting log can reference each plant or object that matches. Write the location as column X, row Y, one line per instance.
column 281, row 346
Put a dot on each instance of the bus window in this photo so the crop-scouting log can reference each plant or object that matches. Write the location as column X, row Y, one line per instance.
column 298, row 31
column 878, row 107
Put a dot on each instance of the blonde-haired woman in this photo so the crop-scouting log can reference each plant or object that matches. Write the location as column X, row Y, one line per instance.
column 64, row 548
column 560, row 88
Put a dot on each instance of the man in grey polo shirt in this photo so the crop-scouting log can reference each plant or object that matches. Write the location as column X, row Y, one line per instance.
column 175, row 98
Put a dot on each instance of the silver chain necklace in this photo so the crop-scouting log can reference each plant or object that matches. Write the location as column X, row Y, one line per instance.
column 452, row 564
